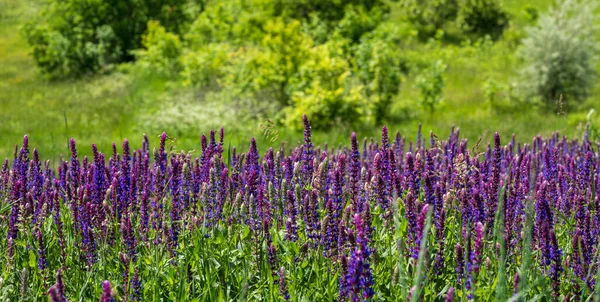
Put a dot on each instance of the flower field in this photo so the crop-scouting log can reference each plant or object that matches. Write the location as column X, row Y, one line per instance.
column 392, row 219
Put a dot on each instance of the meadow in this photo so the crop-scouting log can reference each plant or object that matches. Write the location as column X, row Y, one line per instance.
column 384, row 220
column 434, row 150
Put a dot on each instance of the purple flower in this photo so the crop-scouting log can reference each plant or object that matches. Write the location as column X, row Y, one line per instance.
column 291, row 227
column 307, row 153
column 359, row 278
column 494, row 183
column 450, row 294
column 42, row 263
column 283, row 285
column 478, row 247
column 355, row 166
column 136, row 286
column 106, row 292
column 54, row 294
column 129, row 237
column 420, row 229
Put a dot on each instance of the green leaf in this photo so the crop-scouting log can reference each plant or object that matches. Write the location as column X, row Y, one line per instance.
column 32, row 259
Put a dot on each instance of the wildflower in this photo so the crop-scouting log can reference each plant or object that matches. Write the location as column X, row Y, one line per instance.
column 106, row 292
column 283, row 285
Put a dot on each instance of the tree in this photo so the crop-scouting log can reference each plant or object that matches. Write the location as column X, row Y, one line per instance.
column 560, row 53
column 75, row 37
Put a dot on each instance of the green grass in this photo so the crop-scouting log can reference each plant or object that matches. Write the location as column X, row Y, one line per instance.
column 108, row 108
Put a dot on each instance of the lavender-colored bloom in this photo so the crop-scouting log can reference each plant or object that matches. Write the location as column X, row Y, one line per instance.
column 440, row 237
column 450, row 294
column 556, row 265
column 359, row 278
column 355, row 166
column 343, row 286
column 478, row 247
column 42, row 263
column 60, row 285
column 272, row 255
column 307, row 153
column 12, row 227
column 54, row 294
column 135, row 286
column 106, row 292
column 283, row 284
column 129, row 238
column 494, row 183
column 420, row 230
column 381, row 182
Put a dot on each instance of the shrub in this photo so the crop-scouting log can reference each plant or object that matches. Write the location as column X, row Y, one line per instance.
column 161, row 50
column 430, row 15
column 323, row 89
column 559, row 53
column 378, row 65
column 431, row 83
column 74, row 37
column 482, row 17
column 336, row 65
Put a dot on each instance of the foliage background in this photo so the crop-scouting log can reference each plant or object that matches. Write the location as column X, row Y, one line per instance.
column 167, row 90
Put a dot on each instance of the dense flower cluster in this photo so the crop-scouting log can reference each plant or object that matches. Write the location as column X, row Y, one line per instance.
column 339, row 202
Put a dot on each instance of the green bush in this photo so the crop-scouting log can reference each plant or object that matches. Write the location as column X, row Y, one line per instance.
column 560, row 53
column 161, row 50
column 428, row 16
column 478, row 17
column 74, row 37
column 332, row 60
column 482, row 17
column 431, row 83
column 323, row 89
column 379, row 64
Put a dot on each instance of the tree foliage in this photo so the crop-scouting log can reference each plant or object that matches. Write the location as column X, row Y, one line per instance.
column 74, row 37
column 431, row 83
column 482, row 17
column 479, row 17
column 333, row 60
column 560, row 53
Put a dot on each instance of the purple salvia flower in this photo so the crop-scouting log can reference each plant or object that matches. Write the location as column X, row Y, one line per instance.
column 494, row 185
column 420, row 229
column 272, row 255
column 42, row 263
column 556, row 264
column 60, row 285
column 129, row 237
column 283, row 285
column 290, row 225
column 136, row 286
column 106, row 292
column 343, row 286
column 73, row 171
column 450, row 294
column 307, row 153
column 478, row 247
column 355, row 166
column 176, row 206
column 381, row 183
column 54, row 294
column 359, row 278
